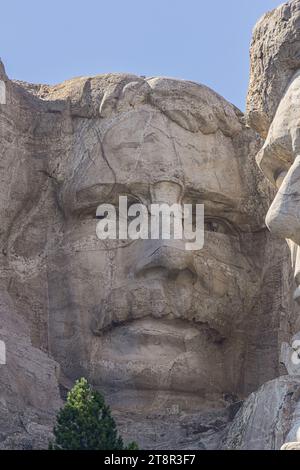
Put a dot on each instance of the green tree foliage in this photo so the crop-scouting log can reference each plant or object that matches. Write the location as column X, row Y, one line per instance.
column 85, row 423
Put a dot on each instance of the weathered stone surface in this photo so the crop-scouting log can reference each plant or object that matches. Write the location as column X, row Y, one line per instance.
column 275, row 58
column 291, row 446
column 290, row 355
column 189, row 431
column 269, row 417
column 273, row 109
column 164, row 332
column 29, row 394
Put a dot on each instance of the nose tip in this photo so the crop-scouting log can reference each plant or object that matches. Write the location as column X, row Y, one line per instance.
column 170, row 256
column 282, row 220
column 274, row 222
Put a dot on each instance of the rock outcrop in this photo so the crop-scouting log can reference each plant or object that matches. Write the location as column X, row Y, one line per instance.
column 29, row 388
column 268, row 418
column 273, row 109
column 29, row 393
column 176, row 340
column 275, row 58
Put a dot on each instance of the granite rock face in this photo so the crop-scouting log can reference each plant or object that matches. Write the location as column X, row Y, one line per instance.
column 273, row 109
column 175, row 339
column 29, row 388
column 291, row 446
column 275, row 58
column 268, row 418
column 29, row 394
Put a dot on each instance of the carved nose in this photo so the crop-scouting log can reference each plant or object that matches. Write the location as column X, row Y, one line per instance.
column 168, row 257
column 283, row 218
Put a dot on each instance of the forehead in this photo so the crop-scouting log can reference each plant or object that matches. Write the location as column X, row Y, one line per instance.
column 145, row 146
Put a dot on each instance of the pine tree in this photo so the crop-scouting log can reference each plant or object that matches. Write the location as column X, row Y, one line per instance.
column 85, row 422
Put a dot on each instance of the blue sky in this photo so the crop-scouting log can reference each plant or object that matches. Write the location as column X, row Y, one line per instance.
column 199, row 40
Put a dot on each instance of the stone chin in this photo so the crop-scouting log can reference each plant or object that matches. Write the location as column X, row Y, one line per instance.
column 167, row 356
column 148, row 340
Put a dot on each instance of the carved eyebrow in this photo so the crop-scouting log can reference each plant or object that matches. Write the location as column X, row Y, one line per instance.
column 215, row 198
column 219, row 206
column 90, row 197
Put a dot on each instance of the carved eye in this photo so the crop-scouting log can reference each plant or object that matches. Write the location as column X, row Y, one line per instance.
column 131, row 200
column 218, row 226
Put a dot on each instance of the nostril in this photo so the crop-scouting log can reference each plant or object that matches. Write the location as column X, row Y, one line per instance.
column 164, row 262
column 157, row 272
column 182, row 275
column 188, row 275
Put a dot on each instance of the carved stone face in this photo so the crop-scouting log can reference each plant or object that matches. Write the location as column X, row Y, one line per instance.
column 147, row 319
column 158, row 329
column 280, row 161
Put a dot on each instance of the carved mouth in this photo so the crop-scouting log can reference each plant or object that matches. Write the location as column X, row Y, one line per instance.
column 157, row 300
column 211, row 333
column 166, row 356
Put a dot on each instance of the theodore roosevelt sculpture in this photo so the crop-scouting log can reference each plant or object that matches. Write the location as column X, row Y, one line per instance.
column 161, row 330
